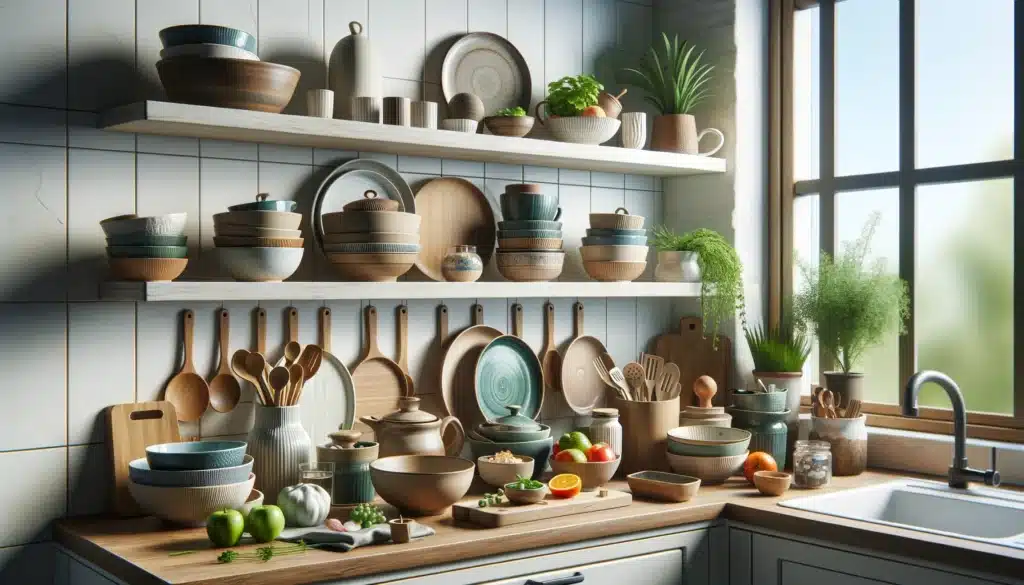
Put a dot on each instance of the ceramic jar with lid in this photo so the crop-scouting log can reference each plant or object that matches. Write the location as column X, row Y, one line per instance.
column 462, row 264
column 411, row 431
column 351, row 458
column 712, row 416
column 605, row 428
column 812, row 464
column 514, row 427
column 353, row 71
column 768, row 431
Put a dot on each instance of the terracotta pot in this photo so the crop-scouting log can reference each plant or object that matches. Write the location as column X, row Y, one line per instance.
column 845, row 387
column 678, row 133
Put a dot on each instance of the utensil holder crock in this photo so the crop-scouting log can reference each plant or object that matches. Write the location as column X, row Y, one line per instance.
column 278, row 444
column 645, row 427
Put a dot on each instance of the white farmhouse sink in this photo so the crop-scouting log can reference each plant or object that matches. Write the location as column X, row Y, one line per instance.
column 982, row 514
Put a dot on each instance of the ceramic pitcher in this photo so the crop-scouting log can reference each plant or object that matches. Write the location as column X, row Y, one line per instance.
column 678, row 133
column 278, row 444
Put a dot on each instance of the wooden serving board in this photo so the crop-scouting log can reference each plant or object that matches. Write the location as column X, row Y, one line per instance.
column 696, row 356
column 132, row 428
column 552, row 507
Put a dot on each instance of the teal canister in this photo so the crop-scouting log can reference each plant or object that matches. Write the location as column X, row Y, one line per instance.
column 351, row 458
column 768, row 431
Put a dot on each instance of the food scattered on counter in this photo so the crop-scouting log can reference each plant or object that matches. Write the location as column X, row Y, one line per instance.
column 265, row 523
column 224, row 527
column 565, row 485
column 304, row 504
column 758, row 461
column 366, row 515
column 335, row 525
column 504, row 457
column 264, row 553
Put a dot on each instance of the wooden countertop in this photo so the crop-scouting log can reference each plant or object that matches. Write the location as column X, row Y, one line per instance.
column 138, row 551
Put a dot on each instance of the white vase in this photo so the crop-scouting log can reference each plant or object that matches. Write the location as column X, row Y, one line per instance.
column 795, row 385
column 677, row 267
column 634, row 129
column 278, row 444
column 352, row 71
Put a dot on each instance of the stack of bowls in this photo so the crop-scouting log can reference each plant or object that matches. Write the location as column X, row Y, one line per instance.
column 217, row 66
column 371, row 240
column 615, row 247
column 259, row 241
column 516, row 433
column 711, row 454
column 183, row 483
column 530, row 237
column 146, row 248
column 764, row 415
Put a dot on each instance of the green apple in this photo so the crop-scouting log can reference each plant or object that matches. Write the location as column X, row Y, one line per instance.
column 225, row 527
column 265, row 523
column 574, row 440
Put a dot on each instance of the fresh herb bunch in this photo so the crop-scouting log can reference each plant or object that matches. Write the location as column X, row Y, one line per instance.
column 849, row 303
column 676, row 81
column 721, row 287
column 525, row 483
column 264, row 553
column 516, row 112
column 783, row 348
column 571, row 95
column 367, row 515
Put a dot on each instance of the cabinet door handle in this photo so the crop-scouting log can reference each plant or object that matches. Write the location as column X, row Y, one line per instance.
column 576, row 577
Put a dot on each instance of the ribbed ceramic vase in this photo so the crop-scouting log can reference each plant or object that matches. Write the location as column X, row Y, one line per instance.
column 634, row 129
column 278, row 444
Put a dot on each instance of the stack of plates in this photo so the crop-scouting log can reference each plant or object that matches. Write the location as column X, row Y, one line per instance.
column 371, row 239
column 615, row 247
column 146, row 248
column 259, row 241
column 530, row 238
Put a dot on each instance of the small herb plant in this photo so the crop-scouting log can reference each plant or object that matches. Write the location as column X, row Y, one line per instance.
column 676, row 81
column 783, row 348
column 569, row 96
column 516, row 112
column 850, row 304
column 721, row 288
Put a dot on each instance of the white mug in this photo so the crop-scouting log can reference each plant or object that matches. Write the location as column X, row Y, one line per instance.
column 366, row 109
column 424, row 115
column 320, row 103
column 634, row 129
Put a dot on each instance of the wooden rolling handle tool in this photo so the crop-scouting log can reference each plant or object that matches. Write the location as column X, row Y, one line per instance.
column 403, row 348
column 517, row 320
column 705, row 389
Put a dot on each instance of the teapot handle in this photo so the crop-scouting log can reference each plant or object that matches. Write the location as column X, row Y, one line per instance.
column 455, row 448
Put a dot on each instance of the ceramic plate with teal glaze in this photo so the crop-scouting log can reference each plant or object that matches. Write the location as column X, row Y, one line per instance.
column 508, row 372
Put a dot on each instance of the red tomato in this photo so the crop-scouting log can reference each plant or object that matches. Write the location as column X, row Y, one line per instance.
column 600, row 452
column 555, row 449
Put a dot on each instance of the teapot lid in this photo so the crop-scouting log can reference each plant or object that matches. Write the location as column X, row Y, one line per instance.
column 344, row 439
column 517, row 421
column 409, row 412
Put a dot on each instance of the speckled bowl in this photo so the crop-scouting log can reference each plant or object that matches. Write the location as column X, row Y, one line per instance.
column 171, row 224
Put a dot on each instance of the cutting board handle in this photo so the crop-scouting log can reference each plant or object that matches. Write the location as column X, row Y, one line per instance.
column 517, row 320
column 325, row 329
column 478, row 314
column 691, row 324
column 442, row 323
column 146, row 415
column 261, row 330
column 372, row 351
column 577, row 322
column 293, row 324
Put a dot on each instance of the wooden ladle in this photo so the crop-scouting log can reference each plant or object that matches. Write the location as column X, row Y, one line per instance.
column 224, row 388
column 187, row 391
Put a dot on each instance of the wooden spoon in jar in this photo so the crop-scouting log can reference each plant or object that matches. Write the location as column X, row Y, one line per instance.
column 224, row 388
column 188, row 391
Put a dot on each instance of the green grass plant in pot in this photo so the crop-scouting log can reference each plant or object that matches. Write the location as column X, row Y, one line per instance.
column 676, row 81
column 851, row 304
column 718, row 269
column 779, row 353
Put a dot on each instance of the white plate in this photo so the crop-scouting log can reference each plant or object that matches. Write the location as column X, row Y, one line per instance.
column 489, row 67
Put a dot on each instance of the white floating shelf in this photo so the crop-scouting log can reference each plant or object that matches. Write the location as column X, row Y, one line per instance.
column 185, row 291
column 170, row 119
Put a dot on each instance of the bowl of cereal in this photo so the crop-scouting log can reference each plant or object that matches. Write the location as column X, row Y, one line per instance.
column 503, row 467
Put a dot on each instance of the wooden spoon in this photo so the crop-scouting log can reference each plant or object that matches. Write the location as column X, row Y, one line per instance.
column 291, row 353
column 705, row 389
column 636, row 380
column 403, row 348
column 310, row 360
column 188, row 391
column 278, row 379
column 224, row 388
column 239, row 368
column 296, row 377
column 670, row 381
column 550, row 360
column 256, row 365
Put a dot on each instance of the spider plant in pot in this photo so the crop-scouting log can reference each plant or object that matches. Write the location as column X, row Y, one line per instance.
column 676, row 82
column 851, row 304
column 779, row 354
column 702, row 255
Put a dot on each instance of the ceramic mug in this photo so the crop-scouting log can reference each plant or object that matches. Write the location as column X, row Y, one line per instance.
column 397, row 111
column 366, row 109
column 530, row 206
column 424, row 115
column 678, row 133
column 320, row 103
column 634, row 129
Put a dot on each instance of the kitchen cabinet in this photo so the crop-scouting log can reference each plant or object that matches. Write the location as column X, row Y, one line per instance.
column 663, row 568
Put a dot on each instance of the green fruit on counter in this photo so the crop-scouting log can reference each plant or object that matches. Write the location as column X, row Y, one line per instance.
column 574, row 440
column 265, row 523
column 224, row 527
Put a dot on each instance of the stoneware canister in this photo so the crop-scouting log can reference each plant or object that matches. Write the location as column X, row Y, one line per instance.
column 677, row 267
column 646, row 425
column 768, row 431
column 353, row 71
column 634, row 129
column 849, row 440
column 278, row 444
column 605, row 428
column 462, row 264
column 352, row 459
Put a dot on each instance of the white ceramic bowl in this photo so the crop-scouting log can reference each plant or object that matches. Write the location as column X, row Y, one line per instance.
column 171, row 224
column 710, row 470
column 190, row 506
column 260, row 264
column 613, row 253
column 583, row 129
column 278, row 220
column 460, row 125
column 499, row 474
column 208, row 50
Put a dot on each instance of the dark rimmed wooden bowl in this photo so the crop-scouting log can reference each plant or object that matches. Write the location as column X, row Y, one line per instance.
column 514, row 126
column 228, row 83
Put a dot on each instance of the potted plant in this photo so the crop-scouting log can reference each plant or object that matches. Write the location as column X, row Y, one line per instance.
column 702, row 255
column 572, row 113
column 675, row 83
column 779, row 355
column 850, row 305
column 509, row 122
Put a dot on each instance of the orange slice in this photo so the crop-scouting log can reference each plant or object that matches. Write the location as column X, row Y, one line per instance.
column 565, row 485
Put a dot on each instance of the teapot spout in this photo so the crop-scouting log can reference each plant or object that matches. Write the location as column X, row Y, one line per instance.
column 371, row 421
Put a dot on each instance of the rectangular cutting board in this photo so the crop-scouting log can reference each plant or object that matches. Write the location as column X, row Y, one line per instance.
column 696, row 356
column 552, row 507
column 132, row 428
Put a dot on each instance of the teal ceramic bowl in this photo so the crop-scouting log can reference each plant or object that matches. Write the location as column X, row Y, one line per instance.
column 539, row 450
column 193, row 34
column 196, row 455
column 530, row 206
column 265, row 205
column 508, row 372
column 708, row 441
column 615, row 232
column 530, row 224
column 147, row 251
column 504, row 235
column 615, row 240
column 760, row 401
column 515, row 436
column 144, row 240
column 140, row 472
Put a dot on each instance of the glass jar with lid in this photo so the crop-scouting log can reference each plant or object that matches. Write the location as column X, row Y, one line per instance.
column 462, row 264
column 812, row 464
column 605, row 428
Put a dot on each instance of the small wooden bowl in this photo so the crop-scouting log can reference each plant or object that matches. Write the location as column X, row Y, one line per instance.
column 514, row 126
column 772, row 483
column 612, row 271
column 593, row 474
column 661, row 485
column 228, row 83
column 146, row 269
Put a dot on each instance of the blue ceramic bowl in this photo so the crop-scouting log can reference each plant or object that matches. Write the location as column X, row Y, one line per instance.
column 140, row 472
column 615, row 232
column 539, row 450
column 530, row 206
column 192, row 34
column 265, row 205
column 529, row 224
column 506, row 234
column 147, row 251
column 759, row 401
column 614, row 240
column 144, row 240
column 196, row 455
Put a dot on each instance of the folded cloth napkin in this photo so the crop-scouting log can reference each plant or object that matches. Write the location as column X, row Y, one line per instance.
column 326, row 539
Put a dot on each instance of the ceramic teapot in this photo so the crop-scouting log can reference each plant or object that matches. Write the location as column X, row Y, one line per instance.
column 411, row 431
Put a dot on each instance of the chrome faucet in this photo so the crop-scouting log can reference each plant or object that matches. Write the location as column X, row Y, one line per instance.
column 959, row 472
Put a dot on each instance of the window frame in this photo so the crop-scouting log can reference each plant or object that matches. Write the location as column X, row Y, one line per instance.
column 783, row 189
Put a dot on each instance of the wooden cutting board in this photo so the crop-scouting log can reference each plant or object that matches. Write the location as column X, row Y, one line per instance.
column 552, row 507
column 131, row 428
column 696, row 356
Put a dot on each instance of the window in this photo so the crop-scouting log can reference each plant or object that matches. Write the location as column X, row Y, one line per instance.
column 908, row 108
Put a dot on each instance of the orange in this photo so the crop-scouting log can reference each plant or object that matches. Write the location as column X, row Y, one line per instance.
column 565, row 485
column 758, row 461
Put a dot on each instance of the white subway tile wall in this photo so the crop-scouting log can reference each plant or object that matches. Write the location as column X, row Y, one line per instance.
column 67, row 355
